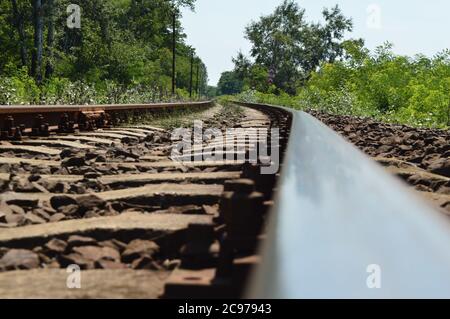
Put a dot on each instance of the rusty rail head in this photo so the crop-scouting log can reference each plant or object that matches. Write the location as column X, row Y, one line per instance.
column 15, row 109
column 64, row 117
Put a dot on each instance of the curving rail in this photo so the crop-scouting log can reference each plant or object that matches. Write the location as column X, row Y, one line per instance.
column 342, row 227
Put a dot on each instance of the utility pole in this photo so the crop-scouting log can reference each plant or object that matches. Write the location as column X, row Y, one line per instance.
column 192, row 73
column 174, row 49
column 197, row 86
column 200, row 87
column 448, row 115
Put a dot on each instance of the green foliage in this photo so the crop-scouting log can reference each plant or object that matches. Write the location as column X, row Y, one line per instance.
column 18, row 88
column 289, row 48
column 392, row 88
column 211, row 91
column 286, row 49
column 309, row 66
column 123, row 50
column 229, row 83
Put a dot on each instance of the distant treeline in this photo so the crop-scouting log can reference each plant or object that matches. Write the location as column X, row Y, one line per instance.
column 121, row 53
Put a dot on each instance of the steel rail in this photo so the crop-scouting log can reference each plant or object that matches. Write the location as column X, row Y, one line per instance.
column 15, row 109
column 343, row 227
column 12, row 116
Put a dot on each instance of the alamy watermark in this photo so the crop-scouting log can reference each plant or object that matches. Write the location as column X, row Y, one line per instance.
column 374, row 18
column 74, row 278
column 374, row 279
column 74, row 18
column 254, row 145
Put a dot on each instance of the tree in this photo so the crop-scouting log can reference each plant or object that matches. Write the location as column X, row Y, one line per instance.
column 122, row 44
column 176, row 4
column 290, row 48
column 18, row 19
column 333, row 33
column 50, row 37
column 242, row 66
column 184, row 3
column 36, row 59
column 211, row 91
column 229, row 83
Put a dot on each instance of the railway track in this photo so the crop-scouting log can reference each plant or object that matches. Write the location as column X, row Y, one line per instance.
column 344, row 227
column 143, row 219
column 81, row 191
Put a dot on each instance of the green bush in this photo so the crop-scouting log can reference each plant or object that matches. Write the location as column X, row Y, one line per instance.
column 414, row 91
column 19, row 88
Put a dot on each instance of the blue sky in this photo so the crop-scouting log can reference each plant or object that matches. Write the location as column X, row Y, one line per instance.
column 216, row 28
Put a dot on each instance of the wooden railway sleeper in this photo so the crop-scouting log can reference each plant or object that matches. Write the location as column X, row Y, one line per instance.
column 243, row 213
column 201, row 249
column 208, row 273
column 264, row 183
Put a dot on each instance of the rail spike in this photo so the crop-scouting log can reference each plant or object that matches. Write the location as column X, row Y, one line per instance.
column 91, row 120
column 65, row 125
column 40, row 128
column 10, row 131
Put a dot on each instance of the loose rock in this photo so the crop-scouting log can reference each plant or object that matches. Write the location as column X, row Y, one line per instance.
column 19, row 259
column 95, row 253
column 138, row 248
column 62, row 200
column 78, row 241
column 73, row 162
column 56, row 246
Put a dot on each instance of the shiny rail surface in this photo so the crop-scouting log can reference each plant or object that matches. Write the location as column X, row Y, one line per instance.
column 342, row 226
